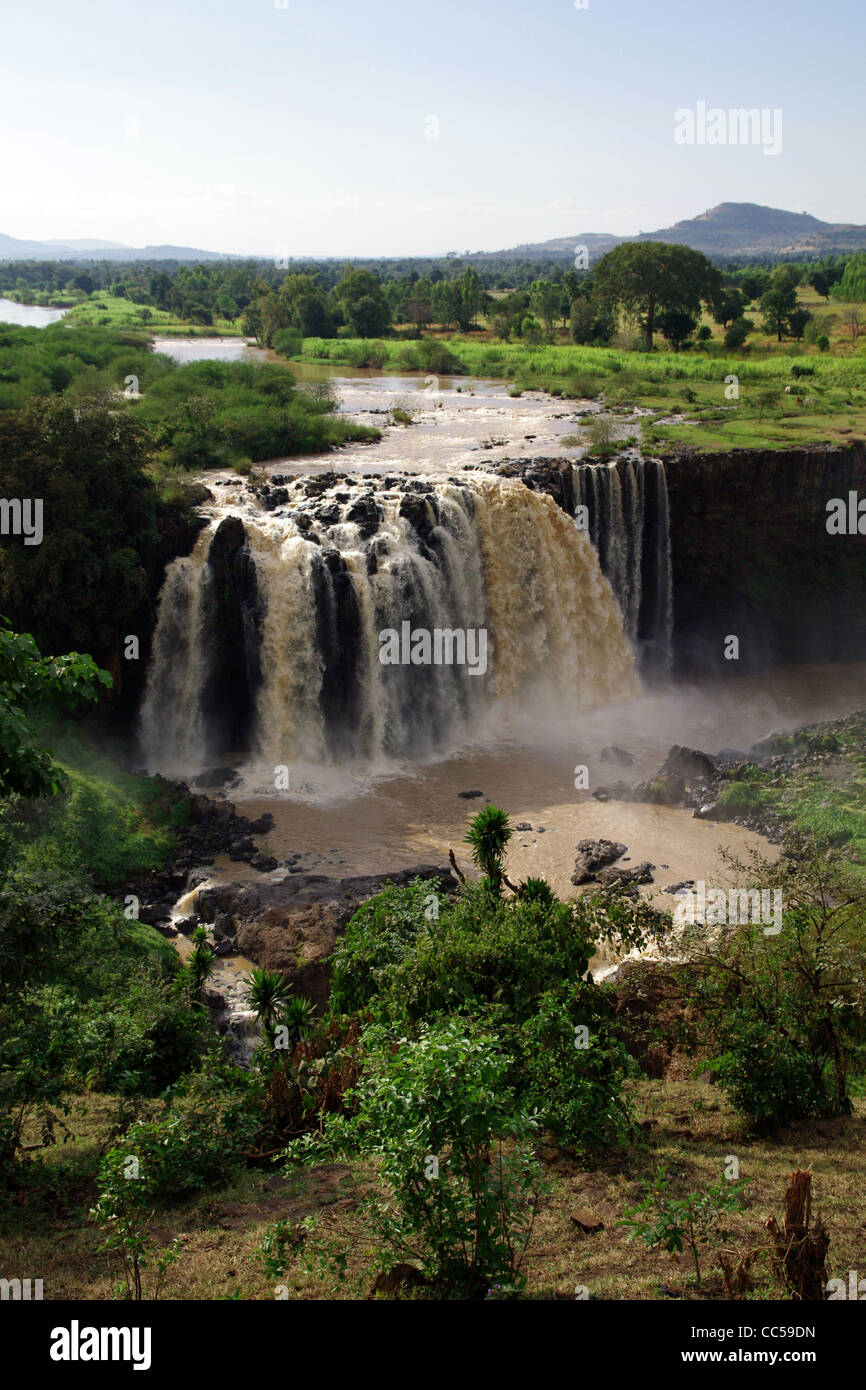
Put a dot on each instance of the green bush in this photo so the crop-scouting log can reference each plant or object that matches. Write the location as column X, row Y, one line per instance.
column 201, row 1140
column 783, row 1013
column 381, row 933
column 454, row 1150
column 740, row 798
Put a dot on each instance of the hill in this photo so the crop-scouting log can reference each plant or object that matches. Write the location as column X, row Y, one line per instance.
column 730, row 229
column 92, row 248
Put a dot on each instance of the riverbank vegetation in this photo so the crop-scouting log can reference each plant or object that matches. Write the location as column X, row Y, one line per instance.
column 769, row 355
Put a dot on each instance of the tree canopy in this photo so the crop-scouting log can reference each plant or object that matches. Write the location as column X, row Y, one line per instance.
column 648, row 278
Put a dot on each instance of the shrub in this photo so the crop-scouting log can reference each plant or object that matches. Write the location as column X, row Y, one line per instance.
column 381, row 933
column 740, row 798
column 202, row 1139
column 675, row 1224
column 784, row 1013
column 453, row 1145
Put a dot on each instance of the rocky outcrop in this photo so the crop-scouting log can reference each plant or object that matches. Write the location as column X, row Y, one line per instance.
column 229, row 694
column 593, row 855
column 750, row 553
column 293, row 925
column 751, row 557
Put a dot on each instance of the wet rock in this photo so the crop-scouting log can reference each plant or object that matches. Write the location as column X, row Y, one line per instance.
column 366, row 513
column 688, row 764
column 470, row 796
column 265, row 863
column 216, row 776
column 293, row 925
column 223, row 926
column 663, row 790
column 675, row 888
column 196, row 877
column 522, row 825
column 186, row 925
column 636, row 873
column 620, row 757
column 155, row 914
column 593, row 855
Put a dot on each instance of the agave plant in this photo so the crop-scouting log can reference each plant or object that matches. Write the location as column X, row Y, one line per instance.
column 268, row 996
column 297, row 1018
column 488, row 834
column 201, row 960
column 536, row 890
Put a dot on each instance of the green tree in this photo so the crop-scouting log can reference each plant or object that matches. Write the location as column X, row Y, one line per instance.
column 647, row 278
column 85, row 585
column 729, row 306
column 28, row 679
column 268, row 995
column 471, row 298
column 778, row 302
column 738, row 332
column 364, row 305
column 546, row 300
column 676, row 326
column 454, row 1147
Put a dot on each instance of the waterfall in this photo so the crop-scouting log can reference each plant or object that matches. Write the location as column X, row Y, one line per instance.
column 306, row 578
column 629, row 525
column 172, row 716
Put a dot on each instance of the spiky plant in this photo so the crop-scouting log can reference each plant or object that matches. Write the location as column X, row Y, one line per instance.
column 488, row 834
column 298, row 1018
column 267, row 994
column 201, row 960
column 536, row 890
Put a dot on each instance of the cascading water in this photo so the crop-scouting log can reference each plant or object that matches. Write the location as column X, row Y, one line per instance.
column 267, row 643
column 629, row 525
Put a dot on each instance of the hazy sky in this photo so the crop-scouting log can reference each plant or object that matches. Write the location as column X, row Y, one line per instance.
column 239, row 126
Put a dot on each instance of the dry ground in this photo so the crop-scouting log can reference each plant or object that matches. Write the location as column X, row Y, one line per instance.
column 47, row 1232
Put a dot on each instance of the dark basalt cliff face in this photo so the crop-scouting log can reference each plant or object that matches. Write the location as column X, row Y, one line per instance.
column 751, row 557
column 234, row 628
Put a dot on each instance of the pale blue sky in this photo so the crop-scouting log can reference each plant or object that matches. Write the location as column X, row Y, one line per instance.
column 237, row 126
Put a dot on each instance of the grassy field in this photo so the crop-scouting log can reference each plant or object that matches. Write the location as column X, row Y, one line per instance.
column 106, row 310
column 47, row 1231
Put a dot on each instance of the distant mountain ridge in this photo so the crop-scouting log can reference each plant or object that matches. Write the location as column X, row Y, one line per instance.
column 95, row 249
column 730, row 229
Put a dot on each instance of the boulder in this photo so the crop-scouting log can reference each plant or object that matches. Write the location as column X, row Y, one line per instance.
column 593, row 855
column 688, row 764
column 620, row 757
column 636, row 873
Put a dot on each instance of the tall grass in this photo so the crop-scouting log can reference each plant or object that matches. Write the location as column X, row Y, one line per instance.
column 558, row 363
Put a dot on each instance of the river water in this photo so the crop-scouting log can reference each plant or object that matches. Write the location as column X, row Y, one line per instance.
column 29, row 315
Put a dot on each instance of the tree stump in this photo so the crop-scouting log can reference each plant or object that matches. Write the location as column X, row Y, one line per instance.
column 800, row 1252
